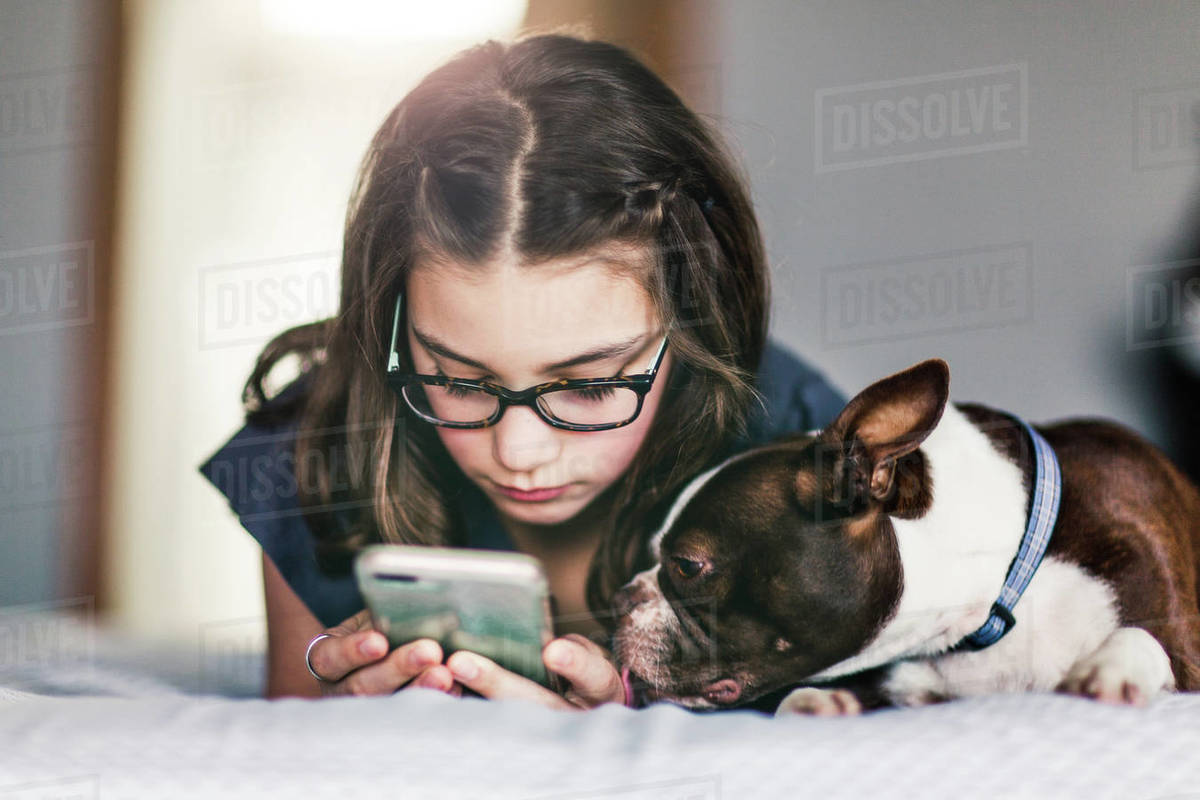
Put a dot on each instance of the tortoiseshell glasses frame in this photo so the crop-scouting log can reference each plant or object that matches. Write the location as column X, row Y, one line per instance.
column 639, row 383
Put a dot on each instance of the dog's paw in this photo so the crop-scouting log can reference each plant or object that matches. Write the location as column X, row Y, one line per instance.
column 1130, row 668
column 820, row 702
column 1106, row 683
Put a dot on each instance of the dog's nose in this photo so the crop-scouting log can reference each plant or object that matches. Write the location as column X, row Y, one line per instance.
column 629, row 597
column 626, row 599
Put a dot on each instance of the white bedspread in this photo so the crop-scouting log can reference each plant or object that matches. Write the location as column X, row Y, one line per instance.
column 160, row 741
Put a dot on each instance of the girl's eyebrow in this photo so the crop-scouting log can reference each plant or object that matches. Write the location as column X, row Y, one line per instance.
column 599, row 353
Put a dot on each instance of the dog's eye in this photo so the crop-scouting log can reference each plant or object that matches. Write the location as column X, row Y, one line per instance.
column 686, row 567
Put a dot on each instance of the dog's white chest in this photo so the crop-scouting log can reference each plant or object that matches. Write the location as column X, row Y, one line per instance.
column 1063, row 615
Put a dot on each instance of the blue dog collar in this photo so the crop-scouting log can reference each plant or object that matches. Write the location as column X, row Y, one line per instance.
column 1047, row 492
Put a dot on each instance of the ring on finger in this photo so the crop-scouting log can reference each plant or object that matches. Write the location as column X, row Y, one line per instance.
column 308, row 656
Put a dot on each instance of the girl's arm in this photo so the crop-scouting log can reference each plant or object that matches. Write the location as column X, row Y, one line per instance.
column 290, row 627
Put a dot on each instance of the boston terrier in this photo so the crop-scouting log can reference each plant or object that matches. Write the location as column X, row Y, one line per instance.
column 916, row 551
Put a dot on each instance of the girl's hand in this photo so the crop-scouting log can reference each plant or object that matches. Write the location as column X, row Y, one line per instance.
column 355, row 661
column 591, row 677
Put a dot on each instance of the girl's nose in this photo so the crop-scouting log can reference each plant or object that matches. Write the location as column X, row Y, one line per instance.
column 522, row 441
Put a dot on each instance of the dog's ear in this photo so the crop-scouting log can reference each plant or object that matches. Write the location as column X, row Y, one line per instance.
column 883, row 423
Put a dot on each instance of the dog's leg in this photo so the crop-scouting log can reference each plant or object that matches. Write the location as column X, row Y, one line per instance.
column 1130, row 667
column 916, row 683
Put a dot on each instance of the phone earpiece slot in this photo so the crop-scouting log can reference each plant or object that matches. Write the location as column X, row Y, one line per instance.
column 398, row 578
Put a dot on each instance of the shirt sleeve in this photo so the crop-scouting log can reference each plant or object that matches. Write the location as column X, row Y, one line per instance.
column 796, row 398
column 254, row 470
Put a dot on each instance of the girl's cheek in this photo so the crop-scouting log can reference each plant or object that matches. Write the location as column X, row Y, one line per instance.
column 607, row 454
column 602, row 460
column 466, row 447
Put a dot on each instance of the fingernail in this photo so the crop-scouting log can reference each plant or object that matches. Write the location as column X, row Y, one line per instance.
column 560, row 656
column 420, row 657
column 371, row 647
column 465, row 668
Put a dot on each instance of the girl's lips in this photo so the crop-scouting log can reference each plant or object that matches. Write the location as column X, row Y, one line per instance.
column 537, row 495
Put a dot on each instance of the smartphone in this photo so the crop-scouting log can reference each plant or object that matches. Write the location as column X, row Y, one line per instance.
column 494, row 603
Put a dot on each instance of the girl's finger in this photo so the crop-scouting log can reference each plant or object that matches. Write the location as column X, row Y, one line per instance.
column 398, row 668
column 490, row 680
column 345, row 647
column 593, row 678
column 335, row 657
column 436, row 677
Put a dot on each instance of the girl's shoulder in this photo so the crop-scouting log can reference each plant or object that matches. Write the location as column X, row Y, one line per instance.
column 796, row 396
column 254, row 470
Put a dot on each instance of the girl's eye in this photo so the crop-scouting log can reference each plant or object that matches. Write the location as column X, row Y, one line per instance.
column 687, row 568
column 594, row 393
column 453, row 389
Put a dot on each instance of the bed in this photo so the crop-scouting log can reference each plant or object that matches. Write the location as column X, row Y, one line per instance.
column 92, row 714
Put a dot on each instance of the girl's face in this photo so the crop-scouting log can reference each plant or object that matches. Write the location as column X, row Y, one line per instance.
column 506, row 324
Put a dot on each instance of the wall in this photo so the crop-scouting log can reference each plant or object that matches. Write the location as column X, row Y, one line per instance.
column 1047, row 208
column 56, row 111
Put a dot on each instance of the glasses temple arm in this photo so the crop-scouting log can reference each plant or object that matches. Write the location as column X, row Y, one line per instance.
column 657, row 356
column 393, row 356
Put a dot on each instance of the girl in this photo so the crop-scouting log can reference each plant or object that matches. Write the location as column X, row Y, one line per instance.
column 531, row 212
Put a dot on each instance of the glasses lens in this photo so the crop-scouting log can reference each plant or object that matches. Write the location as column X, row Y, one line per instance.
column 451, row 403
column 590, row 405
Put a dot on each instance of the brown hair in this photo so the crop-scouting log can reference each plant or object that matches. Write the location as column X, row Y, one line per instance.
column 551, row 146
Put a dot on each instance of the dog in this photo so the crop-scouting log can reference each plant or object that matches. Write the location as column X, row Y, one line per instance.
column 874, row 564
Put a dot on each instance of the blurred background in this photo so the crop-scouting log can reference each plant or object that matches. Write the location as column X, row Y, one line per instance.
column 1011, row 186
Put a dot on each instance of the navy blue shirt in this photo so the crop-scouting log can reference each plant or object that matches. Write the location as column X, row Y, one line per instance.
column 254, row 470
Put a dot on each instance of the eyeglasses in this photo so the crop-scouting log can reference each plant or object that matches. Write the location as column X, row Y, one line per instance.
column 579, row 404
